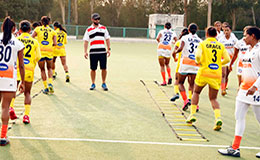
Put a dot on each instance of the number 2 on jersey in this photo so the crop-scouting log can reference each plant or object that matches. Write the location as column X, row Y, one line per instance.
column 27, row 54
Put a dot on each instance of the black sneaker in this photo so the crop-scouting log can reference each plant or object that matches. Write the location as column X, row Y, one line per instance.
column 175, row 97
column 4, row 141
column 229, row 152
column 67, row 78
column 169, row 81
column 258, row 155
column 54, row 75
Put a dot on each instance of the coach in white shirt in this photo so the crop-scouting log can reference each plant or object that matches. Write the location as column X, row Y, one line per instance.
column 96, row 35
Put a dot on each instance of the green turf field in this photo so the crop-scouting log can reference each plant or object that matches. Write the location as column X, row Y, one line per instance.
column 123, row 123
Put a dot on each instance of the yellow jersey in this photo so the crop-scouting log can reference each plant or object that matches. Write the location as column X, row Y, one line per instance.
column 32, row 52
column 45, row 38
column 61, row 38
column 208, row 55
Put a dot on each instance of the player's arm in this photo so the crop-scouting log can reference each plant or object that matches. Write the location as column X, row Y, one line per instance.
column 158, row 37
column 226, row 57
column 174, row 53
column 181, row 47
column 21, row 69
column 54, row 38
column 233, row 58
column 198, row 54
column 37, row 52
column 256, row 85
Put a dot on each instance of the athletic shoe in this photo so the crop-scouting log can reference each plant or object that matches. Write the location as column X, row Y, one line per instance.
column 93, row 86
column 104, row 86
column 67, row 78
column 26, row 119
column 163, row 84
column 51, row 88
column 12, row 114
column 218, row 124
column 223, row 92
column 45, row 91
column 258, row 155
column 186, row 105
column 175, row 97
column 229, row 152
column 191, row 119
column 198, row 108
column 169, row 81
column 54, row 75
column 4, row 141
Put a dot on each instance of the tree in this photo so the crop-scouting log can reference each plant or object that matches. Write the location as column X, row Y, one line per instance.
column 75, row 12
column 62, row 8
column 209, row 12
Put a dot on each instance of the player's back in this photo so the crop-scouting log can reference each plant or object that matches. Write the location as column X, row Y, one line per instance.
column 61, row 38
column 212, row 52
column 167, row 36
column 191, row 43
column 45, row 38
column 31, row 50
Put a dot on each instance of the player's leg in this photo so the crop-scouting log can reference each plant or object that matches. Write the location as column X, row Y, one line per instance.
column 49, row 63
column 239, row 77
column 27, row 102
column 41, row 65
column 168, row 69
column 65, row 67
column 194, row 103
column 182, row 78
column 176, row 88
column 213, row 93
column 54, row 74
column 6, row 98
column 223, row 81
column 12, row 114
column 240, row 115
column 162, row 69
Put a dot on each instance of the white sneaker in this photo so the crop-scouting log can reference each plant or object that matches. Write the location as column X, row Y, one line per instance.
column 258, row 155
column 229, row 152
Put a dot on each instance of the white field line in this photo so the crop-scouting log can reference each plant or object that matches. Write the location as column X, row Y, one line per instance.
column 127, row 142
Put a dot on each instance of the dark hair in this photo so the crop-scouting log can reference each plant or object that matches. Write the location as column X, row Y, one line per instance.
column 36, row 24
column 228, row 26
column 168, row 25
column 7, row 28
column 184, row 32
column 25, row 26
column 45, row 20
column 253, row 30
column 193, row 28
column 58, row 25
column 212, row 31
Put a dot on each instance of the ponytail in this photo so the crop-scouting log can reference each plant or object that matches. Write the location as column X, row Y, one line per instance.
column 7, row 28
column 58, row 25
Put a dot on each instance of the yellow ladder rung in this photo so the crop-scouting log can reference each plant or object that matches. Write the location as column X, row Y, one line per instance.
column 170, row 113
column 18, row 108
column 184, row 134
column 181, row 124
column 183, row 129
column 198, row 140
column 177, row 120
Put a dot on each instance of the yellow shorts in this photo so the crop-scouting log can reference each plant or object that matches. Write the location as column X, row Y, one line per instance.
column 28, row 77
column 164, row 57
column 45, row 54
column 212, row 82
column 59, row 52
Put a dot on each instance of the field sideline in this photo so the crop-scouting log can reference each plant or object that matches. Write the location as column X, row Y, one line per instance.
column 123, row 123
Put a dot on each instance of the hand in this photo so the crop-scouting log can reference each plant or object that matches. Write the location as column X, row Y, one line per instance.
column 251, row 90
column 175, row 59
column 108, row 53
column 86, row 55
column 21, row 88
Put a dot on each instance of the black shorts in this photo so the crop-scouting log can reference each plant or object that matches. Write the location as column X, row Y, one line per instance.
column 94, row 58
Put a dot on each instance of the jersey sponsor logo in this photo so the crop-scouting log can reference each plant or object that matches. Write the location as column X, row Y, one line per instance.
column 192, row 57
column 165, row 42
column 45, row 42
column 213, row 66
column 3, row 67
column 26, row 61
column 60, row 44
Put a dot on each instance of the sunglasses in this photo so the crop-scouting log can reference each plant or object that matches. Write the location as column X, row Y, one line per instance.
column 97, row 19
